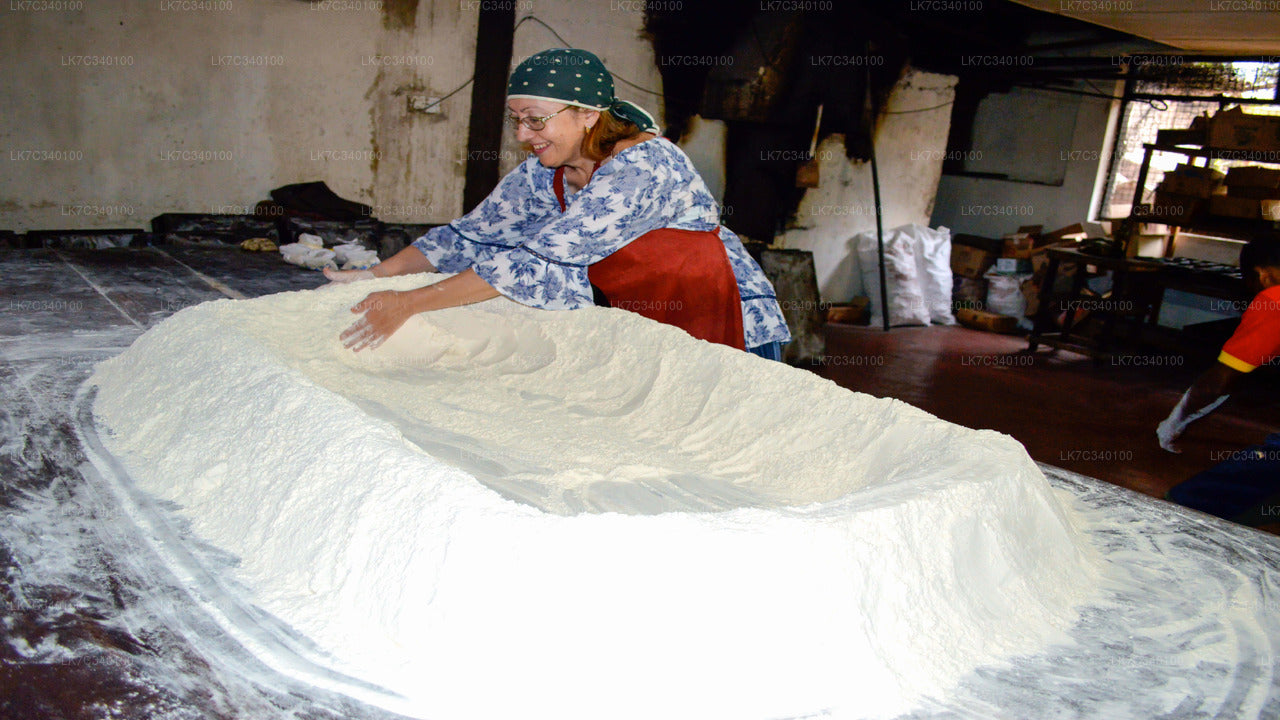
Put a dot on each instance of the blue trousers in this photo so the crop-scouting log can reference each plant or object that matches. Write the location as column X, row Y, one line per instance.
column 1245, row 488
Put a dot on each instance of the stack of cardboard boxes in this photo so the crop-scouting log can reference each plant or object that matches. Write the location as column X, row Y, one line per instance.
column 1234, row 129
column 1189, row 193
column 1253, row 192
column 1184, row 193
column 975, row 261
column 971, row 257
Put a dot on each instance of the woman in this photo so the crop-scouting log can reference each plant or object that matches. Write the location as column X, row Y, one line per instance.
column 602, row 205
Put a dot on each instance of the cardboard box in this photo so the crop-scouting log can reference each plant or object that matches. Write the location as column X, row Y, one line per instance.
column 977, row 241
column 1031, row 293
column 1233, row 129
column 1074, row 231
column 983, row 320
column 969, row 292
column 1197, row 172
column 1019, row 241
column 1192, row 181
column 1271, row 210
column 1019, row 245
column 1235, row 207
column 970, row 262
column 1188, row 186
column 1253, row 176
column 1254, row 182
column 1175, row 208
column 1027, row 254
column 1149, row 246
column 854, row 312
column 1013, row 266
column 1252, row 192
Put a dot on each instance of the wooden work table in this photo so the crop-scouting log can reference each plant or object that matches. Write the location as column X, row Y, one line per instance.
column 1136, row 296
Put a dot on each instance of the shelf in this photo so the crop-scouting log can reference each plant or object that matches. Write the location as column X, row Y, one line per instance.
column 1259, row 156
column 1214, row 225
column 1211, row 225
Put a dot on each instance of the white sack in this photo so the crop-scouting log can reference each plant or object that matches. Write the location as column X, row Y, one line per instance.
column 906, row 298
column 1004, row 294
column 933, row 263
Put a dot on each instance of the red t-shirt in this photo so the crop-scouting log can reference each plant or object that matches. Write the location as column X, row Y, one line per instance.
column 1257, row 340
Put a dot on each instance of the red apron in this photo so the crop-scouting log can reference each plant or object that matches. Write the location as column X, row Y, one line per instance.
column 677, row 277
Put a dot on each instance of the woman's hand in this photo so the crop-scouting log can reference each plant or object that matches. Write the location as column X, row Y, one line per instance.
column 341, row 277
column 384, row 312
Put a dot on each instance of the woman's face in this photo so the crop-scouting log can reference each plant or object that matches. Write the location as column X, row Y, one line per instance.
column 560, row 141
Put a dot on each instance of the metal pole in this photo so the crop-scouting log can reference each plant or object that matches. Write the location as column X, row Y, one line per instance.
column 869, row 114
column 494, row 39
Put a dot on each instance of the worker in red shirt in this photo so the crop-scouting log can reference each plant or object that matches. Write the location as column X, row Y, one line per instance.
column 1256, row 342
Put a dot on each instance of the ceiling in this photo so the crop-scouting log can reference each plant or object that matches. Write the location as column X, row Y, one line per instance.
column 1201, row 27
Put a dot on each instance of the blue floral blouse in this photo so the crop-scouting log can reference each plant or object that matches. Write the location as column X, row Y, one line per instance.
column 520, row 242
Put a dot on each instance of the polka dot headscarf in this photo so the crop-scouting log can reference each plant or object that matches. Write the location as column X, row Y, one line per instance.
column 575, row 77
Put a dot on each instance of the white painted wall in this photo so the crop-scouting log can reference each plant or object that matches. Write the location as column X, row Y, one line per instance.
column 166, row 109
column 993, row 208
column 911, row 141
column 181, row 121
column 705, row 143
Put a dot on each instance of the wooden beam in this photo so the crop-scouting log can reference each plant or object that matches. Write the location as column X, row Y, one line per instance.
column 494, row 38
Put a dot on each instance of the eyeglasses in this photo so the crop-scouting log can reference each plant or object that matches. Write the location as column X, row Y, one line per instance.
column 534, row 123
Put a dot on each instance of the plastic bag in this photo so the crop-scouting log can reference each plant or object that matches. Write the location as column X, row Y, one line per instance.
column 1004, row 294
column 307, row 256
column 354, row 256
column 310, row 240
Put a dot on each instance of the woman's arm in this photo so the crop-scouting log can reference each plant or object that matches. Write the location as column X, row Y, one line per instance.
column 408, row 261
column 1203, row 397
column 385, row 311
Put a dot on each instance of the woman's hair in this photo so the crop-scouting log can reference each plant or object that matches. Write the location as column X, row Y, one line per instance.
column 608, row 130
column 1259, row 252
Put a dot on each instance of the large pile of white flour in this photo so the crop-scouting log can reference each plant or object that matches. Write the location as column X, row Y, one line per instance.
column 506, row 512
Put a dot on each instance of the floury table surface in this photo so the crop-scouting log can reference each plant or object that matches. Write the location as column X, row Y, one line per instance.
column 97, row 625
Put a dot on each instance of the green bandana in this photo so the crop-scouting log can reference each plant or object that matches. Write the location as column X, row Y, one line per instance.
column 575, row 77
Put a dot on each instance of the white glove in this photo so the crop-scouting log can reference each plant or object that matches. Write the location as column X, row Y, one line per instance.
column 341, row 277
column 1178, row 420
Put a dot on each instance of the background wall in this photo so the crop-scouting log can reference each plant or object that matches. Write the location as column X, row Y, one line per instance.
column 166, row 107
column 119, row 113
column 911, row 142
column 993, row 207
column 179, row 106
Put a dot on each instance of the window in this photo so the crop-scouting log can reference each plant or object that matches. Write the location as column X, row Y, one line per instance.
column 1143, row 115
